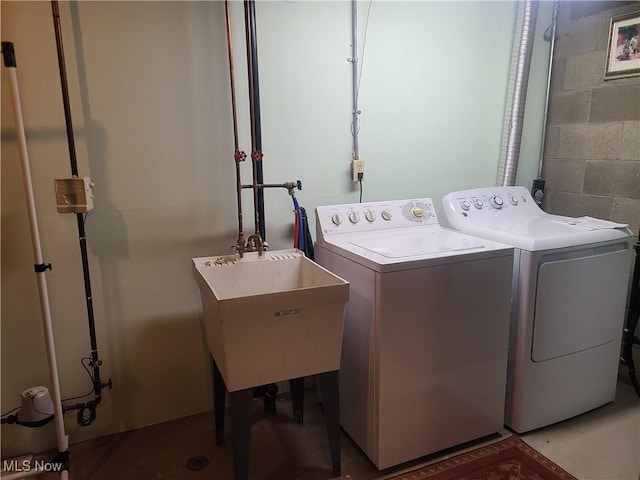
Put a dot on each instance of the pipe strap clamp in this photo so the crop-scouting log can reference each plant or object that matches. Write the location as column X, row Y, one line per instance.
column 42, row 267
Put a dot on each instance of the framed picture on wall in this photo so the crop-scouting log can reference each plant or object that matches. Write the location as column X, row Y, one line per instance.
column 623, row 54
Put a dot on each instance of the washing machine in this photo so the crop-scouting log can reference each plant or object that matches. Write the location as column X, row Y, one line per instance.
column 570, row 283
column 424, row 352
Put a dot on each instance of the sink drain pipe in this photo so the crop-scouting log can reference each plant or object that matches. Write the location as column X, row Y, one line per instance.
column 86, row 410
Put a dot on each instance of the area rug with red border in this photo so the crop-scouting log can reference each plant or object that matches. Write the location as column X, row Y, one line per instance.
column 508, row 459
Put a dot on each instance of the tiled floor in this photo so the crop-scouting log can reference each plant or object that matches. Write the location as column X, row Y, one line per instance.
column 602, row 445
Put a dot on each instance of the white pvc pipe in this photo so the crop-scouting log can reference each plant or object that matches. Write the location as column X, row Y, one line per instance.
column 62, row 438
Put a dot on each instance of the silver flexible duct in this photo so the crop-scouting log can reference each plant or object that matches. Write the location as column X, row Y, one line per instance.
column 517, row 92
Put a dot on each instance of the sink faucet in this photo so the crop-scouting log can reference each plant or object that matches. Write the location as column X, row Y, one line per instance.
column 254, row 242
column 239, row 246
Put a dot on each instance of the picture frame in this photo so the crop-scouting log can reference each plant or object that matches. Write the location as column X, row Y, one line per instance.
column 623, row 52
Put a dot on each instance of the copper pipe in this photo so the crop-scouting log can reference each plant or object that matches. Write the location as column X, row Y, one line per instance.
column 238, row 156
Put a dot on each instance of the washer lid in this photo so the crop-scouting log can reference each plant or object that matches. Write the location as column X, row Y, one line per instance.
column 396, row 235
column 413, row 244
column 401, row 249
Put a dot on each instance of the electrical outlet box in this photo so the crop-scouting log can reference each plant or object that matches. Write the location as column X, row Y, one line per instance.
column 74, row 195
column 357, row 166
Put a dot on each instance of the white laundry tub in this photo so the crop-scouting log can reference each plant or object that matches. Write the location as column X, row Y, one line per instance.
column 271, row 318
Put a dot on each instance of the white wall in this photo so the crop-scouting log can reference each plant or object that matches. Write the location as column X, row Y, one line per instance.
column 151, row 107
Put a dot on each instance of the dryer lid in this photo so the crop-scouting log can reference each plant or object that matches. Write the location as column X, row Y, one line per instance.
column 510, row 215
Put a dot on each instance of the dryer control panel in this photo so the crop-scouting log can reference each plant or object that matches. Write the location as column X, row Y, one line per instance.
column 489, row 204
column 365, row 217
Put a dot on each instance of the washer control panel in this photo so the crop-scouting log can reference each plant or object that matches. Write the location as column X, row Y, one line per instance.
column 362, row 217
column 489, row 203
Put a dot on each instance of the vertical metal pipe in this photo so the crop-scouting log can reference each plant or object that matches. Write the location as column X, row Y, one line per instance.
column 248, row 33
column 255, row 75
column 256, row 125
column 65, row 89
column 237, row 154
column 517, row 95
column 95, row 361
column 552, row 40
column 354, row 74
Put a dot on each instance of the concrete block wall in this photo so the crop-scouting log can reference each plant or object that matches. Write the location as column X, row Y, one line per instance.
column 592, row 152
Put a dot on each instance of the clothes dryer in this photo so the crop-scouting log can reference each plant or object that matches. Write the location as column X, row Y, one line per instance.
column 570, row 282
column 424, row 352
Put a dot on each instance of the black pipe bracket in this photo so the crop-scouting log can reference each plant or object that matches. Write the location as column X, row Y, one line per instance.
column 9, row 54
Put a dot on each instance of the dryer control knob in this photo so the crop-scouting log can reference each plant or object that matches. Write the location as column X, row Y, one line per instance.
column 336, row 219
column 513, row 201
column 465, row 205
column 478, row 203
column 496, row 202
column 417, row 212
column 370, row 215
column 354, row 217
column 386, row 215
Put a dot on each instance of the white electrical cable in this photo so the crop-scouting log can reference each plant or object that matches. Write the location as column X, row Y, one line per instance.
column 62, row 438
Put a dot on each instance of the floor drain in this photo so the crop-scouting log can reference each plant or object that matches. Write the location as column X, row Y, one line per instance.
column 197, row 463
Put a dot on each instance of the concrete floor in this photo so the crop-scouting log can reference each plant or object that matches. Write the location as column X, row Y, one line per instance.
column 602, row 445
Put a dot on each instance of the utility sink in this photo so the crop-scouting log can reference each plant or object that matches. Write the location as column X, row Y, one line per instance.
column 272, row 317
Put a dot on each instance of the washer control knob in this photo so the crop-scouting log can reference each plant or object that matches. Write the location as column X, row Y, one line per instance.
column 478, row 203
column 513, row 201
column 386, row 215
column 417, row 212
column 370, row 215
column 336, row 219
column 354, row 217
column 465, row 205
column 496, row 202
